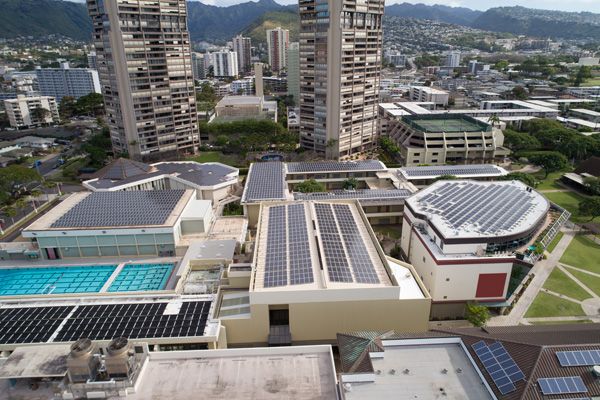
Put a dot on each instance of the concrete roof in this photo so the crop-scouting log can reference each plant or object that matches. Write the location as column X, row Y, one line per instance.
column 294, row 373
column 36, row 362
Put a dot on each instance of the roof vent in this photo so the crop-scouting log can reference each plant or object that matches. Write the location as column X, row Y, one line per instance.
column 444, row 371
column 378, row 372
column 406, row 371
column 392, row 372
column 459, row 370
column 596, row 371
column 347, row 387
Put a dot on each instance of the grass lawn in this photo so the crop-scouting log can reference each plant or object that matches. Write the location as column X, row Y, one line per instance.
column 214, row 156
column 591, row 82
column 548, row 183
column 546, row 305
column 569, row 201
column 393, row 231
column 559, row 282
column 592, row 282
column 582, row 253
column 554, row 242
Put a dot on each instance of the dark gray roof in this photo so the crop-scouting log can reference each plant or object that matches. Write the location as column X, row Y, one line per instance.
column 209, row 174
column 456, row 170
column 365, row 195
column 122, row 169
column 266, row 181
column 334, row 166
column 123, row 208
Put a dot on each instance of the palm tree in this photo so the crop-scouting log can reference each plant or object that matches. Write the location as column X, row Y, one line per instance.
column 21, row 204
column 11, row 212
column 35, row 193
column 494, row 119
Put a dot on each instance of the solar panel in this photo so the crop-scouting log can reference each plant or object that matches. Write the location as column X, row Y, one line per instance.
column 338, row 268
column 122, row 208
column 578, row 358
column 500, row 365
column 135, row 321
column 301, row 271
column 562, row 385
column 334, row 166
column 266, row 181
column 30, row 324
column 456, row 170
column 367, row 194
column 276, row 255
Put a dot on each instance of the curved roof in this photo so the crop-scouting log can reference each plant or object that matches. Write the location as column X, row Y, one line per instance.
column 123, row 168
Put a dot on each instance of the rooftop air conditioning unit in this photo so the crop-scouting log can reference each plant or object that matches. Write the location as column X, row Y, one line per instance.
column 83, row 361
column 119, row 361
column 596, row 371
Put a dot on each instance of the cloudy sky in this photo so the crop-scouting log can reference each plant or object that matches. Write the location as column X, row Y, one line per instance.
column 569, row 5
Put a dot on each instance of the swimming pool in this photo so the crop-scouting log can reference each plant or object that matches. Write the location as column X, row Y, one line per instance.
column 54, row 280
column 140, row 277
column 83, row 279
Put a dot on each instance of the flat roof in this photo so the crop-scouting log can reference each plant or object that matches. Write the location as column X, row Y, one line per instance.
column 295, row 373
column 120, row 209
column 316, row 245
column 36, row 362
column 201, row 175
column 363, row 195
column 446, row 123
column 419, row 369
column 334, row 166
column 460, row 171
column 591, row 113
column 471, row 209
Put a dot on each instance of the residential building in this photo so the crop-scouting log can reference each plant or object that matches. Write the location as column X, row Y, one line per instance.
column 475, row 67
column 293, row 72
column 428, row 94
column 276, row 85
column 231, row 108
column 35, row 142
column 66, row 81
column 145, row 67
column 199, row 66
column 453, row 59
column 242, row 87
column 396, row 58
column 225, row 64
column 439, row 139
column 278, row 41
column 340, row 66
column 243, row 47
column 463, row 238
column 22, row 112
column 92, row 60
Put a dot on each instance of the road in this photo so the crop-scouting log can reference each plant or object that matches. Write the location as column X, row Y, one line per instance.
column 14, row 235
column 48, row 164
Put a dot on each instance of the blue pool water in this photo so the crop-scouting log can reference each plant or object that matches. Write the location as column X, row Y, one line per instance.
column 54, row 280
column 141, row 277
column 83, row 279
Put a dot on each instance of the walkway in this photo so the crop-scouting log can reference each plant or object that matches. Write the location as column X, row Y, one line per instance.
column 541, row 271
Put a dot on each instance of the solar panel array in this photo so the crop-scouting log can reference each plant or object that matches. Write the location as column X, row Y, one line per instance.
column 30, row 325
column 266, row 181
column 355, row 194
column 101, row 322
column 334, row 166
column 346, row 255
column 500, row 365
column 140, row 320
column 487, row 209
column 578, row 358
column 288, row 248
column 562, row 385
column 456, row 170
column 123, row 208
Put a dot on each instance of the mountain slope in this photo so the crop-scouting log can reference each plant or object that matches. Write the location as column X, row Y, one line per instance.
column 222, row 23
column 285, row 19
column 451, row 15
column 540, row 23
column 44, row 17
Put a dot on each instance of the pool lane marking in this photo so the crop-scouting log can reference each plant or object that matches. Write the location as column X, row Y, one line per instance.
column 112, row 278
column 62, row 324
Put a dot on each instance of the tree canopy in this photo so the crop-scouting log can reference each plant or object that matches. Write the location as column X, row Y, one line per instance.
column 550, row 161
column 590, row 207
column 310, row 186
column 477, row 314
column 12, row 178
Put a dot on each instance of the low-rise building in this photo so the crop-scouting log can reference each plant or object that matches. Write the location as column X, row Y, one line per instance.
column 439, row 139
column 463, row 238
column 429, row 95
column 242, row 87
column 423, row 176
column 35, row 142
column 23, row 111
column 232, row 108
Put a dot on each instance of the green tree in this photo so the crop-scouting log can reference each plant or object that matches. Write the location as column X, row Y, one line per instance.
column 310, row 186
column 67, row 107
column 477, row 314
column 521, row 141
column 590, row 207
column 527, row 179
column 13, row 178
column 222, row 140
column 446, row 177
column 350, row 184
column 584, row 73
column 40, row 114
column 91, row 104
column 11, row 212
column 520, row 93
column 494, row 120
column 592, row 185
column 550, row 161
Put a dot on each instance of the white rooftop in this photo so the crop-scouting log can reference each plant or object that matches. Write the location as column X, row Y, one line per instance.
column 470, row 209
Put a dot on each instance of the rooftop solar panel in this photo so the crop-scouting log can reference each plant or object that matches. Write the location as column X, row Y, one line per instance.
column 500, row 365
column 122, row 208
column 366, row 194
column 334, row 166
column 30, row 324
column 338, row 268
column 266, row 181
column 562, row 385
column 455, row 170
column 578, row 358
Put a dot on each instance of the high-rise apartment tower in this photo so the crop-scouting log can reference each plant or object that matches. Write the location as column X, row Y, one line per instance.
column 243, row 47
column 145, row 67
column 278, row 41
column 340, row 65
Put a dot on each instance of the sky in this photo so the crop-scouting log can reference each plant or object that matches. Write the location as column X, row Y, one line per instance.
column 569, row 5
